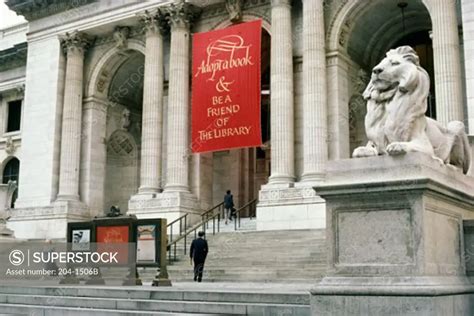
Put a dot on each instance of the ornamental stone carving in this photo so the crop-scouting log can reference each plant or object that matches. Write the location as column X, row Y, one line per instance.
column 181, row 14
column 10, row 147
column 234, row 8
column 396, row 123
column 20, row 90
column 121, row 144
column 120, row 35
column 153, row 21
column 125, row 121
column 76, row 41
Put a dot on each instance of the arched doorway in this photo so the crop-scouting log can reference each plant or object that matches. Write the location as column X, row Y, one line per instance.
column 423, row 45
column 11, row 172
column 244, row 171
column 112, row 102
column 123, row 132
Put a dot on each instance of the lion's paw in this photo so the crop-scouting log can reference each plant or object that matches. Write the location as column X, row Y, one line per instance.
column 396, row 148
column 438, row 160
column 364, row 151
column 453, row 167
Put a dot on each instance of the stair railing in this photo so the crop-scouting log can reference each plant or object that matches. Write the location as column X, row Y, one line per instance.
column 219, row 208
column 182, row 222
column 252, row 212
column 213, row 214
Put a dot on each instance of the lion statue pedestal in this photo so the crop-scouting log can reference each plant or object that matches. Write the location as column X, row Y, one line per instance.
column 395, row 214
column 395, row 238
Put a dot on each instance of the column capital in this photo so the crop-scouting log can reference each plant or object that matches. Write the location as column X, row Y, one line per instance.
column 153, row 22
column 76, row 41
column 277, row 3
column 182, row 14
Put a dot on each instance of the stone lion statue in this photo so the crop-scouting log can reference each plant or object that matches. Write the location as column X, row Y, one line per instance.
column 396, row 123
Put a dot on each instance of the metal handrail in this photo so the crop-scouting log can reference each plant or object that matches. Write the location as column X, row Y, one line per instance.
column 203, row 225
column 219, row 207
column 206, row 217
column 181, row 220
column 252, row 207
column 169, row 224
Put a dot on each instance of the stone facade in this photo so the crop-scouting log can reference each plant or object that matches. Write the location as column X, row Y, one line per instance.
column 106, row 122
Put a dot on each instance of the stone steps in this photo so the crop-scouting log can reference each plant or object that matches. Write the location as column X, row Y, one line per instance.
column 38, row 310
column 238, row 263
column 149, row 301
column 257, row 277
column 303, row 262
column 246, row 224
column 258, row 256
column 309, row 269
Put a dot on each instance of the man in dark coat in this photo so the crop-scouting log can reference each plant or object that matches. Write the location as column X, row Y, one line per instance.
column 198, row 254
column 228, row 205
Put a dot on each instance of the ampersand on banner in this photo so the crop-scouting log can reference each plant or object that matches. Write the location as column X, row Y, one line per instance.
column 222, row 85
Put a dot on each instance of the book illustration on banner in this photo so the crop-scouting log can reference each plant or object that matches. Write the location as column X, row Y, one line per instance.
column 146, row 243
column 81, row 239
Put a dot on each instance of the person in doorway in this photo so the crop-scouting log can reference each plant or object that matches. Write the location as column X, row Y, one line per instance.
column 228, row 205
column 198, row 254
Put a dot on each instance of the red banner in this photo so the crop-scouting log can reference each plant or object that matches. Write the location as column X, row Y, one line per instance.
column 226, row 88
column 113, row 239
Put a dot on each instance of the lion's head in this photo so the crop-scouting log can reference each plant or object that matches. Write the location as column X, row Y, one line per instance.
column 399, row 71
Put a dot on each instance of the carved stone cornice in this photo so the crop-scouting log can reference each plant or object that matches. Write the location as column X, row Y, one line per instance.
column 154, row 22
column 136, row 32
column 76, row 42
column 36, row 9
column 13, row 57
column 219, row 9
column 181, row 14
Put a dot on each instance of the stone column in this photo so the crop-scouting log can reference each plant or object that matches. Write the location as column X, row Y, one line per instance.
column 468, row 35
column 178, row 147
column 93, row 154
column 315, row 148
column 74, row 44
column 201, row 179
column 338, row 136
column 282, row 109
column 152, row 121
column 447, row 64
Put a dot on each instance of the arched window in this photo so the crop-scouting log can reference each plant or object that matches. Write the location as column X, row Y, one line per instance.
column 11, row 172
